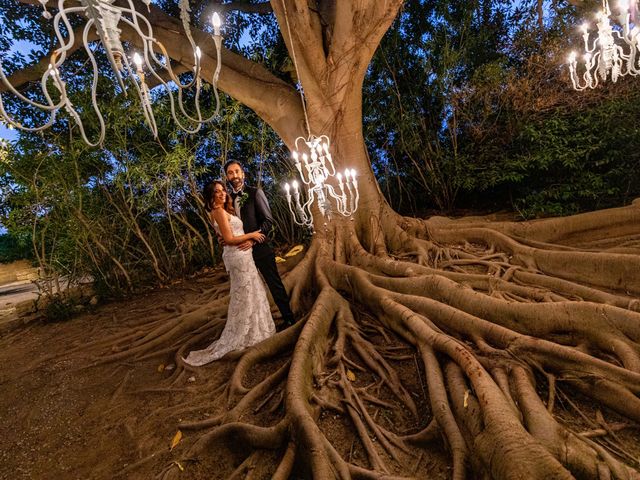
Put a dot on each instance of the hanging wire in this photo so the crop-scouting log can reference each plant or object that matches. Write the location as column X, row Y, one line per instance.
column 295, row 66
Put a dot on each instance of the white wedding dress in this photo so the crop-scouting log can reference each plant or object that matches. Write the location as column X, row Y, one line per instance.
column 249, row 318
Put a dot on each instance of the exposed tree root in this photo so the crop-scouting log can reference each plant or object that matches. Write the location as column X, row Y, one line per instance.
column 481, row 338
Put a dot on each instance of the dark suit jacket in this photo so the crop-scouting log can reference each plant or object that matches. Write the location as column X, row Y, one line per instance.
column 256, row 215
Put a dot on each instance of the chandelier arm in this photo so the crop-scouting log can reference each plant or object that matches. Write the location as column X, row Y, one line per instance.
column 14, row 123
column 49, row 107
column 167, row 66
column 350, row 196
column 144, row 95
column 199, row 121
column 60, row 54
column 34, row 71
column 148, row 43
column 333, row 168
column 338, row 198
column 626, row 62
column 306, row 208
column 66, row 103
column 591, row 81
column 216, row 74
column 304, row 219
column 189, row 130
column 94, row 87
column 217, row 97
column 597, row 58
column 357, row 199
column 593, row 47
column 576, row 80
column 57, row 57
column 291, row 210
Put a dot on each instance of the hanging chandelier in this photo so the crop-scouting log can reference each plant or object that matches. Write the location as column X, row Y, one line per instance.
column 315, row 169
column 314, row 163
column 151, row 61
column 611, row 51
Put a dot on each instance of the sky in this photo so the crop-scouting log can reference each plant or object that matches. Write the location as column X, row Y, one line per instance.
column 7, row 134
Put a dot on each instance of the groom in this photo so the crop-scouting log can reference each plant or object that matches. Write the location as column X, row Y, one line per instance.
column 252, row 208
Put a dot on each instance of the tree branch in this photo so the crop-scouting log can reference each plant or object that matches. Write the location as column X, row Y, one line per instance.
column 260, row 8
column 35, row 71
column 306, row 40
column 250, row 83
column 377, row 15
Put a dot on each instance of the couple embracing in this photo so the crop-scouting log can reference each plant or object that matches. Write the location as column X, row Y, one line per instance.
column 244, row 209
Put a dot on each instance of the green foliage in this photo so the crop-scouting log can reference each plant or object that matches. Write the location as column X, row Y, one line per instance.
column 15, row 247
column 466, row 106
column 586, row 161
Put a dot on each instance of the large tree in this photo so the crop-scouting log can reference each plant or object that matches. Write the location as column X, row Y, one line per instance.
column 504, row 318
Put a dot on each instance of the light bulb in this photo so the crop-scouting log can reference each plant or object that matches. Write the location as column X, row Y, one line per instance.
column 137, row 59
column 572, row 57
column 216, row 22
column 353, row 173
column 584, row 27
column 286, row 187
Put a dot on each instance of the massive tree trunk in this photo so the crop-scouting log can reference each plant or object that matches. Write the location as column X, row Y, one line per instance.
column 498, row 320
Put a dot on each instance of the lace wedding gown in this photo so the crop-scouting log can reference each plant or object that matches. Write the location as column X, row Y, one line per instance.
column 249, row 318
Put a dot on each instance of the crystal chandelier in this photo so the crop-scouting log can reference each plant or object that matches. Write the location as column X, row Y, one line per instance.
column 151, row 61
column 612, row 53
column 314, row 170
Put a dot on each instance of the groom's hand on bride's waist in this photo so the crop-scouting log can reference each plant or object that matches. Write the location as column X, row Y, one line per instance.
column 246, row 245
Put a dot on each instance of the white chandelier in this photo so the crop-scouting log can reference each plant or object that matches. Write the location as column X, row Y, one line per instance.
column 314, row 170
column 612, row 53
column 151, row 61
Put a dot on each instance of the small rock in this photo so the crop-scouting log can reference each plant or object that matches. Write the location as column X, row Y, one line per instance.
column 191, row 379
column 94, row 301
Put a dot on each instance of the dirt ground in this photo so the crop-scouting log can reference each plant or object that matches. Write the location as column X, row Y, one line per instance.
column 61, row 417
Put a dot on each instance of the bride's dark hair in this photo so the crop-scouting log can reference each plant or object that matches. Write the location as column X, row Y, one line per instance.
column 209, row 197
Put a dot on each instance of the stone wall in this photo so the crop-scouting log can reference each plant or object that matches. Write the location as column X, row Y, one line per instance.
column 19, row 271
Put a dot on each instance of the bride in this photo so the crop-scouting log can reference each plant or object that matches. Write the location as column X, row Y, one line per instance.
column 249, row 318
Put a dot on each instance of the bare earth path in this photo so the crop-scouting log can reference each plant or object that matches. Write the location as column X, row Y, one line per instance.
column 61, row 420
column 65, row 419
column 61, row 417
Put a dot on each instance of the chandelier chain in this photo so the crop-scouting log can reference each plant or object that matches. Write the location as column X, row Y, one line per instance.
column 295, row 66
